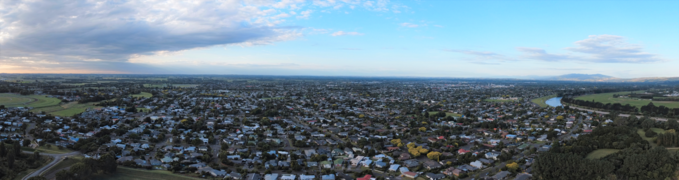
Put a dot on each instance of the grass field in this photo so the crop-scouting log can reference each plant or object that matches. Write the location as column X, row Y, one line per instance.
column 608, row 98
column 51, row 150
column 541, row 101
column 139, row 174
column 154, row 85
column 63, row 164
column 447, row 114
column 650, row 140
column 185, row 85
column 36, row 101
column 599, row 153
column 68, row 109
column 497, row 100
column 143, row 94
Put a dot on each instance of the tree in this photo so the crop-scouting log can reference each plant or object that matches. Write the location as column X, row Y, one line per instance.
column 397, row 142
column 27, row 142
column 107, row 163
column 37, row 178
column 434, row 155
column 81, row 171
column 17, row 148
column 512, row 166
column 3, row 150
column 36, row 155
column 10, row 160
column 423, row 129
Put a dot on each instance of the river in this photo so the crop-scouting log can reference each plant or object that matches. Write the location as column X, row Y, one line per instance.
column 554, row 102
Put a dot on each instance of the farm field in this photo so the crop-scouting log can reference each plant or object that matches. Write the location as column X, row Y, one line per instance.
column 139, row 174
column 143, row 94
column 600, row 153
column 541, row 101
column 36, row 101
column 608, row 98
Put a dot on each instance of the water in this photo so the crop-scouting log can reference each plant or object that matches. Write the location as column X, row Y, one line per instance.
column 554, row 102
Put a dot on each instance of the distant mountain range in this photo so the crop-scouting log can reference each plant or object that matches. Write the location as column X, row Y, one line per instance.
column 582, row 77
column 605, row 78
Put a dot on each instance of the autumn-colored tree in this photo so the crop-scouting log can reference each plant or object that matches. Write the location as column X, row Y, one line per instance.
column 411, row 145
column 397, row 142
column 434, row 155
column 423, row 129
column 559, row 118
column 513, row 166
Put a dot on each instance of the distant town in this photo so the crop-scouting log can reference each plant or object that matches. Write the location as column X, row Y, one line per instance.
column 334, row 128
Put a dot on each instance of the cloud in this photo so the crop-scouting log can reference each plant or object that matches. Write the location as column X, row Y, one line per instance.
column 482, row 55
column 410, row 25
column 541, row 54
column 342, row 33
column 597, row 49
column 612, row 49
column 594, row 49
column 305, row 14
column 75, row 31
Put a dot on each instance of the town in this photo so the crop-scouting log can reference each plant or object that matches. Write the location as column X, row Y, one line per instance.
column 300, row 128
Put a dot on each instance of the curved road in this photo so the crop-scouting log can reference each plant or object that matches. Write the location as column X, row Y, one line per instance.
column 57, row 159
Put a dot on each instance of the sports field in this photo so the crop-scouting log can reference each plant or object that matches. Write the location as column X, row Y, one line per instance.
column 36, row 101
column 608, row 98
column 541, row 101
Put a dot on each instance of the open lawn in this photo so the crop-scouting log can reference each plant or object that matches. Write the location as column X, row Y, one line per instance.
column 143, row 94
column 68, row 109
column 185, row 85
column 608, row 98
column 541, row 101
column 36, row 101
column 498, row 100
column 70, row 161
column 447, row 114
column 599, row 153
column 139, row 174
column 650, row 140
column 51, row 150
column 154, row 85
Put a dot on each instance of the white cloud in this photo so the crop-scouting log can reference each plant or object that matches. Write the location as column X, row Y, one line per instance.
column 305, row 14
column 597, row 49
column 409, row 25
column 342, row 33
column 481, row 55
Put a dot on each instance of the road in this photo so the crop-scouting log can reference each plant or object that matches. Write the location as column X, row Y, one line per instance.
column 57, row 159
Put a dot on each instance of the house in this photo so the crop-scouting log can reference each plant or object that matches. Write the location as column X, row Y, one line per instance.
column 328, row 177
column 433, row 176
column 394, row 167
column 234, row 175
column 432, row 165
column 411, row 163
column 366, row 177
column 404, row 156
column 502, row 175
column 409, row 174
column 288, row 177
column 380, row 164
column 476, row 164
column 253, row 176
column 492, row 155
column 307, row 177
column 523, row 176
column 273, row 176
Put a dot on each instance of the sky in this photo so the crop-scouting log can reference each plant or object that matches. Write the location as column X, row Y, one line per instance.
column 404, row 38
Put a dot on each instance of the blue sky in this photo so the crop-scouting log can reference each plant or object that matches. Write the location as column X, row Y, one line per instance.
column 434, row 38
